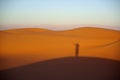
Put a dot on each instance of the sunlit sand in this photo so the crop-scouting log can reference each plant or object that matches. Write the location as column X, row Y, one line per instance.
column 24, row 46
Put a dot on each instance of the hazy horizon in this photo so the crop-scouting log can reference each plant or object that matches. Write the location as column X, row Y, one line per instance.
column 59, row 14
column 56, row 27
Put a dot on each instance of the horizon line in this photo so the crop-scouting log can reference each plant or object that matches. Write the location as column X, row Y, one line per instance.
column 61, row 30
column 55, row 27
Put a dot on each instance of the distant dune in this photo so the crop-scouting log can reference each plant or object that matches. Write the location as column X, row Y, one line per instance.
column 25, row 46
column 92, row 32
column 26, row 30
column 69, row 68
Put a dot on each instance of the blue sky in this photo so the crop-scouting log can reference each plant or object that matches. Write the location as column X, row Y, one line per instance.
column 60, row 12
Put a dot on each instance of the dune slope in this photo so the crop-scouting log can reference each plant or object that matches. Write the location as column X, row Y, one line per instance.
column 25, row 46
column 70, row 68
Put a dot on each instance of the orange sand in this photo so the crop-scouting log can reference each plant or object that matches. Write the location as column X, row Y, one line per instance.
column 24, row 46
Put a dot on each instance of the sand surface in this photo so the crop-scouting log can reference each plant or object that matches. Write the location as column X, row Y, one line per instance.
column 25, row 46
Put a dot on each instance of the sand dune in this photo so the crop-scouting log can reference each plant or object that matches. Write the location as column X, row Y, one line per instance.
column 24, row 46
column 92, row 32
column 68, row 68
column 27, row 30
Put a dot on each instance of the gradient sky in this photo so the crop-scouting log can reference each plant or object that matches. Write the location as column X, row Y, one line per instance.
column 60, row 12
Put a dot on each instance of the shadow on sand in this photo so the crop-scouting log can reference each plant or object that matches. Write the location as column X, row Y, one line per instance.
column 69, row 68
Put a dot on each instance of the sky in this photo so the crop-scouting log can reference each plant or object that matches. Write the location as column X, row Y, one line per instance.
column 60, row 12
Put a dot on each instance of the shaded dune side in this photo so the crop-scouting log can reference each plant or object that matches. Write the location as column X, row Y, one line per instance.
column 69, row 68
